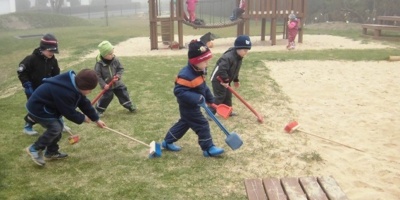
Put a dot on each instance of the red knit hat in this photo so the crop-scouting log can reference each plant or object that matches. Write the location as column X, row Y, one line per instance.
column 198, row 52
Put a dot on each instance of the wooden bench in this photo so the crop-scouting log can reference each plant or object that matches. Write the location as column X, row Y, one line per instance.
column 378, row 29
column 291, row 188
column 388, row 19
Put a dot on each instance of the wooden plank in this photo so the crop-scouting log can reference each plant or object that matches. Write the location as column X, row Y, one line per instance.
column 255, row 189
column 389, row 18
column 312, row 188
column 293, row 189
column 381, row 26
column 273, row 188
column 331, row 188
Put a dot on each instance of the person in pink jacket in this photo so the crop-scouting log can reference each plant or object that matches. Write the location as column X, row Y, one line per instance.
column 191, row 8
column 293, row 29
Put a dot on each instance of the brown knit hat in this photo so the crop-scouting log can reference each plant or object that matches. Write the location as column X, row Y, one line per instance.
column 86, row 79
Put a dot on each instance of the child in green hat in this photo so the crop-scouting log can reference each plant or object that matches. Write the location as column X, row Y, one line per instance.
column 107, row 68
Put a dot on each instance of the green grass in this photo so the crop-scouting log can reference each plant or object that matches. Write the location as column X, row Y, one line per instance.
column 104, row 165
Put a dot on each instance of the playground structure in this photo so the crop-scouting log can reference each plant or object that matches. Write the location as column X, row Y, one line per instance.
column 216, row 13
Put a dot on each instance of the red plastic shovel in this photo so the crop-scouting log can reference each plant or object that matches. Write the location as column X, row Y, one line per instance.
column 223, row 110
column 104, row 90
column 259, row 117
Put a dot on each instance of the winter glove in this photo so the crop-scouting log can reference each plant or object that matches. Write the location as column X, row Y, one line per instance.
column 236, row 84
column 28, row 88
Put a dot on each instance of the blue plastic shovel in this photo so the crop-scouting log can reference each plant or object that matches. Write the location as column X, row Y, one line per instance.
column 232, row 139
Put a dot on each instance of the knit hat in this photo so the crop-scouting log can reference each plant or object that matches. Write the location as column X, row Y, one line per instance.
column 242, row 42
column 292, row 16
column 105, row 48
column 198, row 52
column 86, row 79
column 49, row 42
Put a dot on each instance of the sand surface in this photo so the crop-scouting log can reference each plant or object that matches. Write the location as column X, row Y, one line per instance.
column 353, row 103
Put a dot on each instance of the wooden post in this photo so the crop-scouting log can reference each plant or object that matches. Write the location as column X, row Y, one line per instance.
column 179, row 16
column 304, row 11
column 263, row 27
column 153, row 24
column 273, row 22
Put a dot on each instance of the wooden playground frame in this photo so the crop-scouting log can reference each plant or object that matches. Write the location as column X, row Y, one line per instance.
column 255, row 10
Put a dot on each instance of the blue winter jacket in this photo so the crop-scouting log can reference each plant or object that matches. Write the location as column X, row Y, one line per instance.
column 58, row 96
column 190, row 85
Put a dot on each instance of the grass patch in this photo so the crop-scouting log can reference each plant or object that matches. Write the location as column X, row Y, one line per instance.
column 104, row 165
column 310, row 157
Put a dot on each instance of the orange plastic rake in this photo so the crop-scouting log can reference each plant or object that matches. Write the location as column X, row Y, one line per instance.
column 259, row 117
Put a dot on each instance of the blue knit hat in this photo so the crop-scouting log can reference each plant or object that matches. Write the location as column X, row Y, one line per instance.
column 292, row 16
column 242, row 42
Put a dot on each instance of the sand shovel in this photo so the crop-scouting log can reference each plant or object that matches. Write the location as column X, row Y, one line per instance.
column 73, row 139
column 223, row 110
column 104, row 90
column 292, row 126
column 155, row 148
column 259, row 117
column 232, row 139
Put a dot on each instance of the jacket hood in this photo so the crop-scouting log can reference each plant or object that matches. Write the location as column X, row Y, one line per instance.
column 64, row 80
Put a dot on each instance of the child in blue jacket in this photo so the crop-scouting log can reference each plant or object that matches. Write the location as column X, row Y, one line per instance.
column 191, row 90
column 56, row 97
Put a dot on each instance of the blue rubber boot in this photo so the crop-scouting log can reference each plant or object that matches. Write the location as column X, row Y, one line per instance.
column 28, row 129
column 213, row 151
column 170, row 147
column 36, row 155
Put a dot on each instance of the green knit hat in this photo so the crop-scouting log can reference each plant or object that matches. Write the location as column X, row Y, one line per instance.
column 105, row 48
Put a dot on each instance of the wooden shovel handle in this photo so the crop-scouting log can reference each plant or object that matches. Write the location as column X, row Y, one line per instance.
column 259, row 117
column 104, row 90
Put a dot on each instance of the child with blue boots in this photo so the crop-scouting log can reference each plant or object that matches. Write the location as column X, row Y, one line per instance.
column 191, row 90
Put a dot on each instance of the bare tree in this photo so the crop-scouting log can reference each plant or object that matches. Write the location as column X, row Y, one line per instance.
column 56, row 5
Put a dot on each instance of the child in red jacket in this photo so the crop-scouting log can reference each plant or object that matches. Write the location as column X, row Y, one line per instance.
column 293, row 29
column 191, row 8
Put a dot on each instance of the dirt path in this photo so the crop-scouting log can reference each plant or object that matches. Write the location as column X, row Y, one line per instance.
column 141, row 46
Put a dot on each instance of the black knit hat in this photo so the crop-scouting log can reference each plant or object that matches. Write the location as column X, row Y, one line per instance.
column 198, row 52
column 243, row 42
column 86, row 79
column 49, row 42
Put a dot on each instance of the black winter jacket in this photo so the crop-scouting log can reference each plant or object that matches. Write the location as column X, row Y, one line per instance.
column 228, row 67
column 35, row 67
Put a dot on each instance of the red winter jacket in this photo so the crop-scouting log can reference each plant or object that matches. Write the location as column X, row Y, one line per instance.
column 293, row 29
